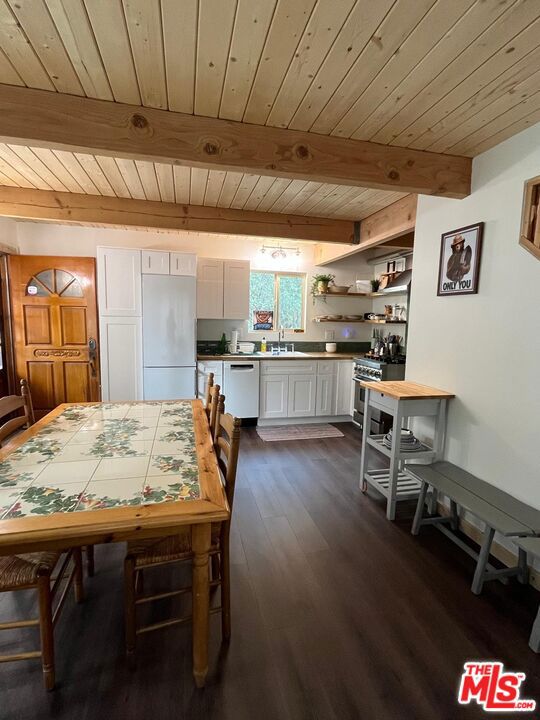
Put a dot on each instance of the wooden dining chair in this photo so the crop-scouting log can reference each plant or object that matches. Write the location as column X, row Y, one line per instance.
column 34, row 571
column 144, row 554
column 10, row 404
column 207, row 394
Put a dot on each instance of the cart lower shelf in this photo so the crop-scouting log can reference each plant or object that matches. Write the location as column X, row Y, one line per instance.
column 408, row 487
column 423, row 452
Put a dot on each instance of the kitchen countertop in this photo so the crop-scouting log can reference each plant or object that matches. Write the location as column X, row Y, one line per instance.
column 285, row 356
column 406, row 390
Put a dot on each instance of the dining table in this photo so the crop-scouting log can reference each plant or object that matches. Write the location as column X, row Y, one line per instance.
column 108, row 472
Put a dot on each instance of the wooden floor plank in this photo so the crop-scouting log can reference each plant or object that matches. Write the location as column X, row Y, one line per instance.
column 337, row 613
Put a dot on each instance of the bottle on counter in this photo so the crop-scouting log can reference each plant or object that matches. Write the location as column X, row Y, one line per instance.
column 263, row 344
column 222, row 345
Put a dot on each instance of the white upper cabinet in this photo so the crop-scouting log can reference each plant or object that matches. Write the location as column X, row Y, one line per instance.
column 222, row 289
column 236, row 290
column 155, row 262
column 119, row 282
column 183, row 264
column 209, row 288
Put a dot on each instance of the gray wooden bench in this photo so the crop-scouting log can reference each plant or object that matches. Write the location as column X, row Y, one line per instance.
column 532, row 546
column 499, row 511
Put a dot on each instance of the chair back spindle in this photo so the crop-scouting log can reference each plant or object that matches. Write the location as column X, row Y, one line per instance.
column 10, row 404
column 214, row 401
column 207, row 393
column 227, row 445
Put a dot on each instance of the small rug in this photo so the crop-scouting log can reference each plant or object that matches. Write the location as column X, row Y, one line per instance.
column 298, row 432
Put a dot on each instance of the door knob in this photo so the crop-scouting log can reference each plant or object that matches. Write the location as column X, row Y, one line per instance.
column 92, row 354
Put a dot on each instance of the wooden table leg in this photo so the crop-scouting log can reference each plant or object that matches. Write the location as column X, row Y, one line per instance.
column 200, row 538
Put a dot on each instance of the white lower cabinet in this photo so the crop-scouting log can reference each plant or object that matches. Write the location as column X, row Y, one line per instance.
column 325, row 395
column 121, row 358
column 273, row 398
column 296, row 389
column 344, row 396
column 302, row 394
column 204, row 368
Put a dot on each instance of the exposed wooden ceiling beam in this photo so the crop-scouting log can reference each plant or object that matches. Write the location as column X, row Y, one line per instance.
column 42, row 118
column 98, row 210
column 394, row 221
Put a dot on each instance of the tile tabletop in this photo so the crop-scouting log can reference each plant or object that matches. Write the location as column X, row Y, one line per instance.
column 92, row 457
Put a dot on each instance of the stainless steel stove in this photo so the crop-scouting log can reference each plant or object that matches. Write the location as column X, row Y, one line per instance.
column 374, row 370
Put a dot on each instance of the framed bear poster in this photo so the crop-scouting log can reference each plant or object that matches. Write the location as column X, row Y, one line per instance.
column 459, row 265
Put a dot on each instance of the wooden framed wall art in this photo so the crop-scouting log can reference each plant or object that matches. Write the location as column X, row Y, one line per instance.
column 459, row 264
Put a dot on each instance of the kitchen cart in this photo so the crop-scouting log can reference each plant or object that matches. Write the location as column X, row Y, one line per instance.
column 402, row 400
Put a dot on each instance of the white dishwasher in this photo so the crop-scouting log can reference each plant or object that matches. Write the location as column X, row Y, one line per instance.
column 241, row 387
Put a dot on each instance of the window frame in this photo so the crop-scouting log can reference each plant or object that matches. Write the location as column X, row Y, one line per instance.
column 277, row 275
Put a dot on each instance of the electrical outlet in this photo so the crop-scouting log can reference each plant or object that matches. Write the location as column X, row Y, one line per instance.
column 328, row 335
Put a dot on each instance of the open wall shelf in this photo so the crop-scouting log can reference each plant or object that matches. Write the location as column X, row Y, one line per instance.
column 367, row 322
column 360, row 295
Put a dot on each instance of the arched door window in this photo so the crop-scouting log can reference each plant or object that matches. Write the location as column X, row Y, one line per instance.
column 54, row 282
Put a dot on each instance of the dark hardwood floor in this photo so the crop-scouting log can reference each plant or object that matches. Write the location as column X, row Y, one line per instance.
column 337, row 614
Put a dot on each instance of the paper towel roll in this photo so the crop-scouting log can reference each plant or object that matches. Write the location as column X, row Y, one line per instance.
column 234, row 341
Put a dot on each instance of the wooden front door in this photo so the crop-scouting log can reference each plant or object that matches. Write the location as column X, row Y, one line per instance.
column 55, row 332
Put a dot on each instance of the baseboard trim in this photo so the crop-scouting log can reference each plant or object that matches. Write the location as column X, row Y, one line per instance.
column 506, row 556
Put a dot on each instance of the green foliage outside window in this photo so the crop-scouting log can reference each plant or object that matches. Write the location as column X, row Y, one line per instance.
column 281, row 293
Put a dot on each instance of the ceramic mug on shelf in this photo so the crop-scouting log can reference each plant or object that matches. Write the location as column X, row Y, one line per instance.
column 331, row 347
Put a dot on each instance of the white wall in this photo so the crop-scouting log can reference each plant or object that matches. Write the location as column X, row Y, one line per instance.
column 52, row 239
column 8, row 235
column 485, row 348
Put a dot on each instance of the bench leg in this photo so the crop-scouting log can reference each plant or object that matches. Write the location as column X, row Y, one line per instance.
column 523, row 574
column 432, row 503
column 419, row 509
column 454, row 515
column 534, row 640
column 483, row 559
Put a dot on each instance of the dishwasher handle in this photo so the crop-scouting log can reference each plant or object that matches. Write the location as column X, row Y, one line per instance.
column 241, row 368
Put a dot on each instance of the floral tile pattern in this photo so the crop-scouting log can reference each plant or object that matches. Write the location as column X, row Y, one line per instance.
column 103, row 456
column 10, row 476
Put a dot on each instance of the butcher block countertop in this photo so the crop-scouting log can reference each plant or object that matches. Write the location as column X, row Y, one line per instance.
column 285, row 356
column 406, row 390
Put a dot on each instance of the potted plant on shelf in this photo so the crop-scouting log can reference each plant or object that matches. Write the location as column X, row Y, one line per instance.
column 320, row 284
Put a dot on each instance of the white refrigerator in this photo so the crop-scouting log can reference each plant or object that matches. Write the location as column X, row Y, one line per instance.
column 169, row 336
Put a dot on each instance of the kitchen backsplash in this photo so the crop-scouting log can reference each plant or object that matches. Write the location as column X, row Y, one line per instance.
column 209, row 347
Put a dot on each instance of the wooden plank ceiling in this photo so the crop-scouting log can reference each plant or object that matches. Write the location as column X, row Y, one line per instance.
column 63, row 171
column 449, row 77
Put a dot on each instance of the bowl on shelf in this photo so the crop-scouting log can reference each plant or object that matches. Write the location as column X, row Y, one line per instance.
column 338, row 288
column 334, row 317
column 353, row 317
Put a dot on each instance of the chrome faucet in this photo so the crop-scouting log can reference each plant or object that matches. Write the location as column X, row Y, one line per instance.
column 276, row 350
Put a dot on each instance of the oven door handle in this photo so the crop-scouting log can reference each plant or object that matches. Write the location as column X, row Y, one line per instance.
column 359, row 380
